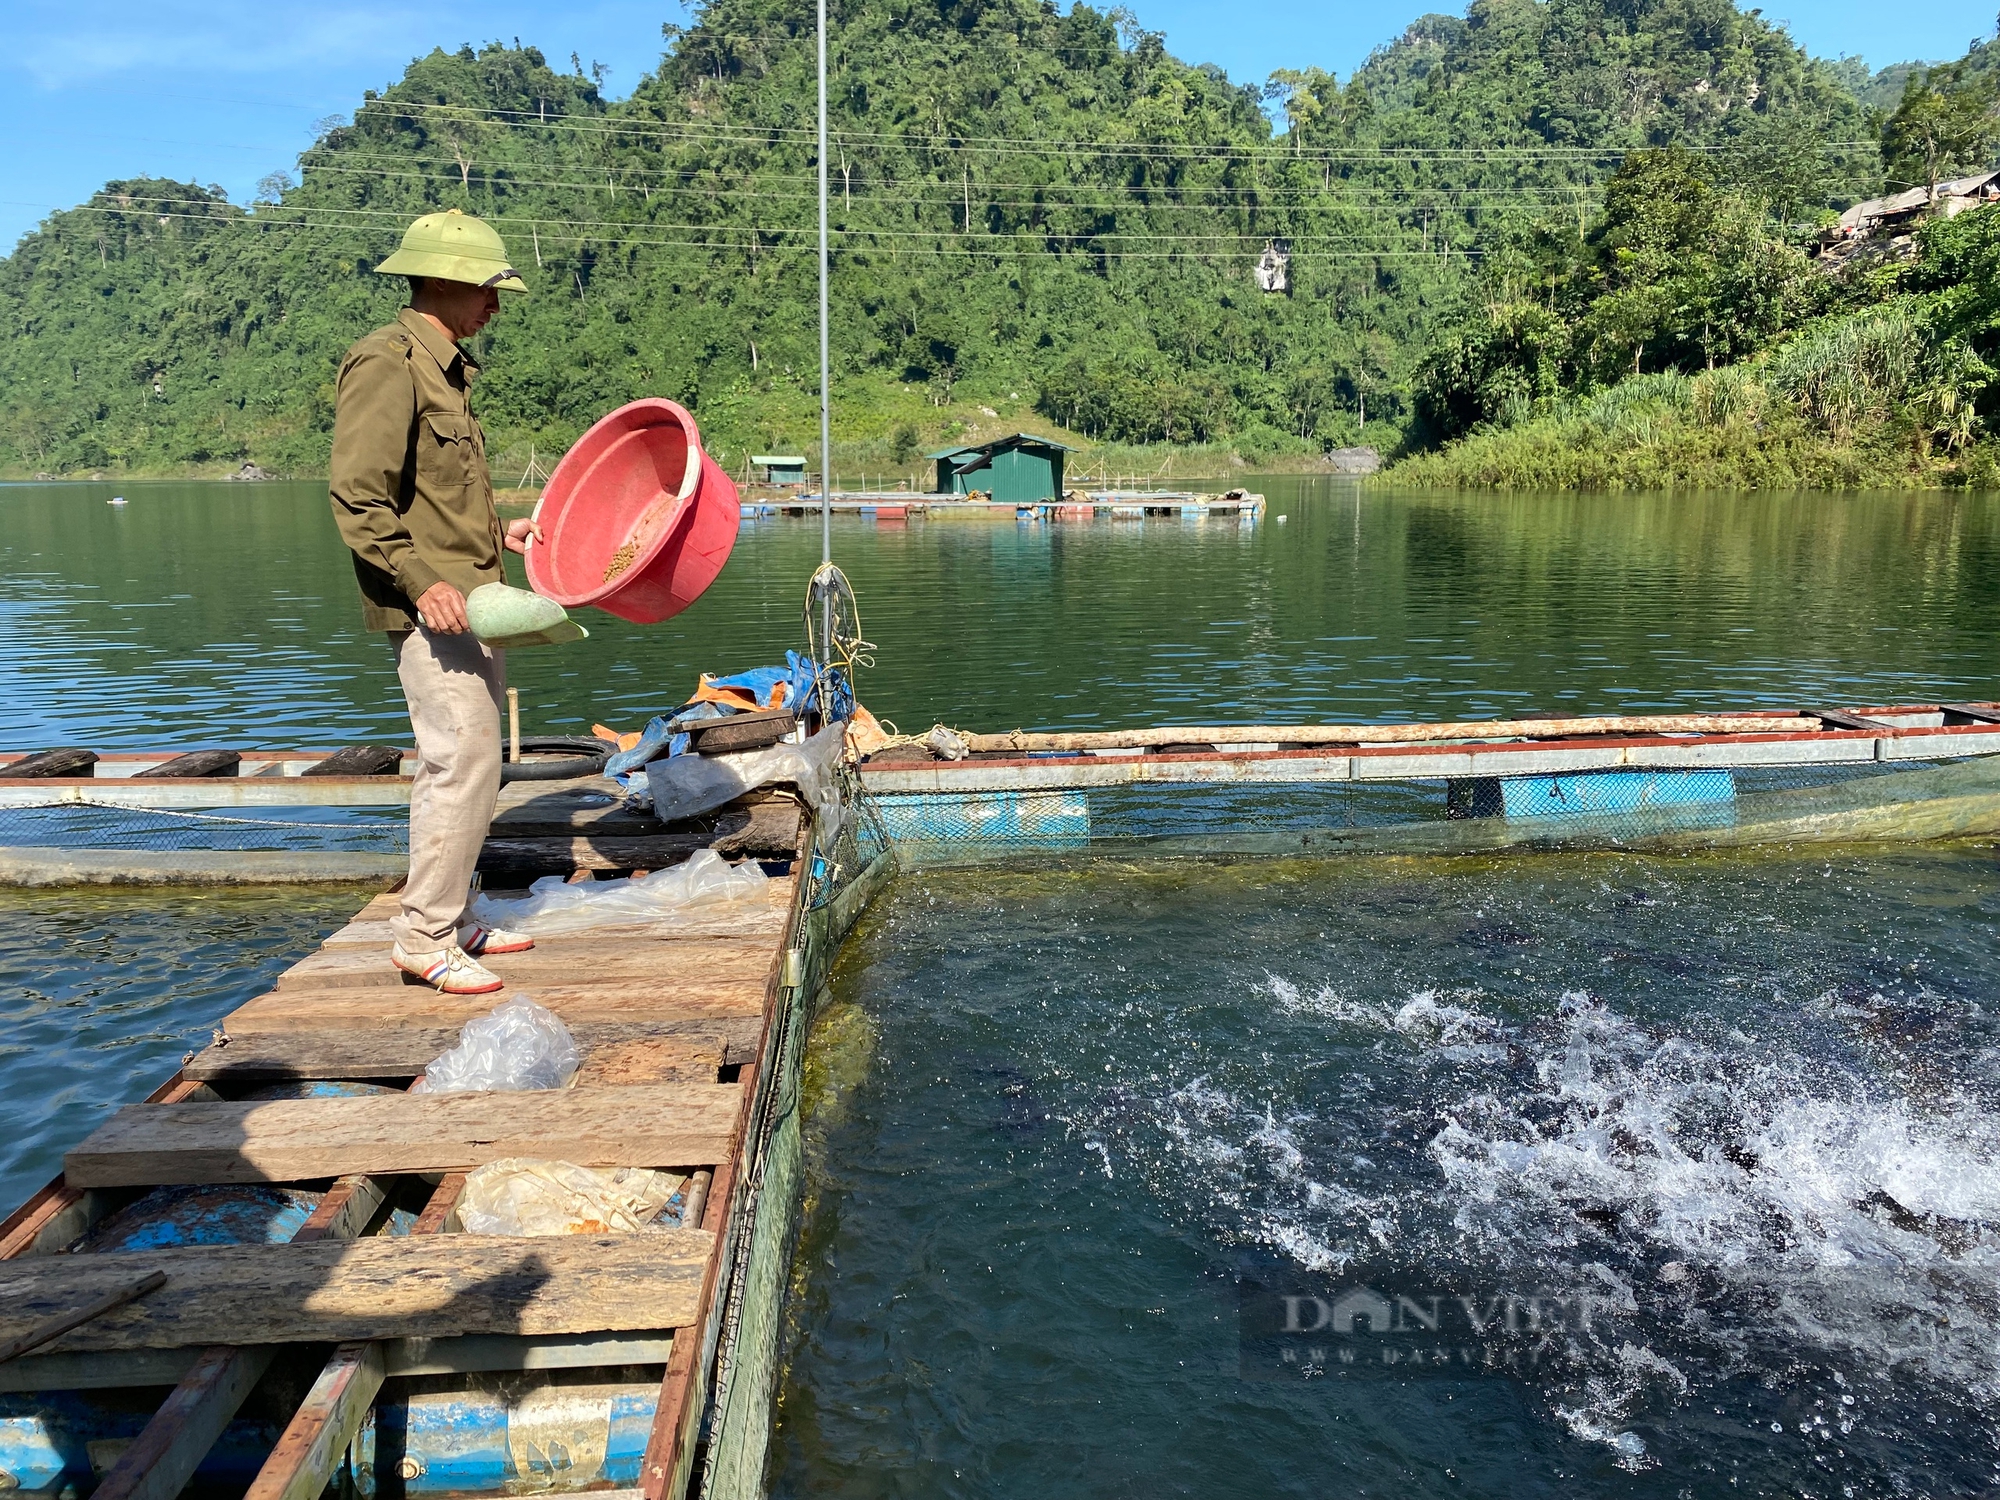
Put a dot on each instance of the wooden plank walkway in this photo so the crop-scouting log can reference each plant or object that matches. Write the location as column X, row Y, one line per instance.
column 297, row 1140
column 432, row 1286
column 671, row 1016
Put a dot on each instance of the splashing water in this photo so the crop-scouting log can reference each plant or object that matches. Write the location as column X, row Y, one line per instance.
column 1748, row 1111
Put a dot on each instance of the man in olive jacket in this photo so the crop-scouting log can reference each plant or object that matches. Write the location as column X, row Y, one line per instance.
column 414, row 504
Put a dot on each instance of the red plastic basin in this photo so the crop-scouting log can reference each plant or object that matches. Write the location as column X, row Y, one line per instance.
column 637, row 519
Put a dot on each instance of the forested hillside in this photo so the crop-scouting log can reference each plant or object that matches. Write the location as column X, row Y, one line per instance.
column 1687, row 338
column 1041, row 219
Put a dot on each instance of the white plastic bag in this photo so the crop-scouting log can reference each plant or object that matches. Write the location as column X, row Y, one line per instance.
column 515, row 1046
column 686, row 786
column 520, row 1195
column 553, row 905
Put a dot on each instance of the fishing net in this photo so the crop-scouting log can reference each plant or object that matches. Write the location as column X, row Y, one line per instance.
column 1665, row 807
column 70, row 823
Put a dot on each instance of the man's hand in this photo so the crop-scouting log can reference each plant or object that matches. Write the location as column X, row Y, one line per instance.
column 519, row 531
column 442, row 610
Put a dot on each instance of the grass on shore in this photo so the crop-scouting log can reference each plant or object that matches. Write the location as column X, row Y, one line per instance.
column 1860, row 402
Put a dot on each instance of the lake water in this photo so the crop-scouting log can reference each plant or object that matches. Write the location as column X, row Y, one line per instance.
column 226, row 614
column 1745, row 1103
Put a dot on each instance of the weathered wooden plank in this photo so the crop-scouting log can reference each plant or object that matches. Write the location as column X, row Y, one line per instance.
column 421, row 1009
column 753, row 919
column 348, row 1208
column 164, row 1456
column 401, row 1052
column 440, row 1215
column 483, row 1352
column 422, row 1287
column 1838, row 718
column 1021, row 741
column 653, row 1060
column 54, row 1328
column 132, row 1369
column 296, row 1140
column 590, row 851
column 310, row 1448
column 770, row 832
column 656, row 959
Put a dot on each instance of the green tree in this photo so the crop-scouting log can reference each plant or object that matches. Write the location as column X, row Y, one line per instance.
column 1947, row 122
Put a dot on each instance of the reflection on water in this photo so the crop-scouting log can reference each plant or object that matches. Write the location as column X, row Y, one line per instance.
column 1744, row 1104
column 226, row 614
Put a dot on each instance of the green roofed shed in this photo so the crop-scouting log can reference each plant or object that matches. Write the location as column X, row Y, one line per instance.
column 1017, row 470
column 781, row 468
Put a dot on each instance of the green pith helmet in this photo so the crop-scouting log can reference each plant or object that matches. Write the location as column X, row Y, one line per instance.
column 454, row 246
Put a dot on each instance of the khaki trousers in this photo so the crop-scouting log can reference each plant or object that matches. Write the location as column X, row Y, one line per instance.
column 454, row 686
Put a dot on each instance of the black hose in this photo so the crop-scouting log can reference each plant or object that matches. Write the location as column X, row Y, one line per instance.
column 585, row 757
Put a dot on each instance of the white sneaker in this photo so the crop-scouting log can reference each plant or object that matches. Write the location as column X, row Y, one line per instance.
column 481, row 941
column 448, row 970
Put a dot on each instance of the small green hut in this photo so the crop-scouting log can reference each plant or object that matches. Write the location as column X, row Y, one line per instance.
column 781, row 468
column 1018, row 470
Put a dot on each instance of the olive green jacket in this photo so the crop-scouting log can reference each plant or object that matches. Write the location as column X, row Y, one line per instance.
column 411, row 494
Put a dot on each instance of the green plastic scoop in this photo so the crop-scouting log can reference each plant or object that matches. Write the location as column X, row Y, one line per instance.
column 509, row 618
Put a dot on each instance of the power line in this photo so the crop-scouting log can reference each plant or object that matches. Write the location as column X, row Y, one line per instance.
column 1032, row 145
column 393, row 220
column 976, row 244
column 1324, row 197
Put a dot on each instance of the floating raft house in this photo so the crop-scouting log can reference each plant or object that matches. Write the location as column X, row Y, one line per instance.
column 1017, row 470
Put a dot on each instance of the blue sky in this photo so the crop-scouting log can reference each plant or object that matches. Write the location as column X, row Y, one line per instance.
column 226, row 91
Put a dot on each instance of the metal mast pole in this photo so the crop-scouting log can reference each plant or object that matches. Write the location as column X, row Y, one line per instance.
column 825, row 366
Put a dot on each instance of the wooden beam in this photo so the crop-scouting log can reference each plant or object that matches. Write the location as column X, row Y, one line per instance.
column 48, row 1222
column 310, row 1448
column 428, row 1287
column 54, row 1328
column 348, row 1208
column 731, row 920
column 653, row 1060
column 668, row 1446
column 296, row 1140
column 578, row 1004
column 1968, row 713
column 131, row 1369
column 164, row 1456
column 658, row 961
column 440, row 1215
column 1385, row 734
column 1835, row 718
column 264, row 1057
column 675, row 1412
column 591, row 852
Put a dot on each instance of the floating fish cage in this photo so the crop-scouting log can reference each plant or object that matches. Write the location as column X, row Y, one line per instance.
column 1914, row 777
column 686, row 1409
